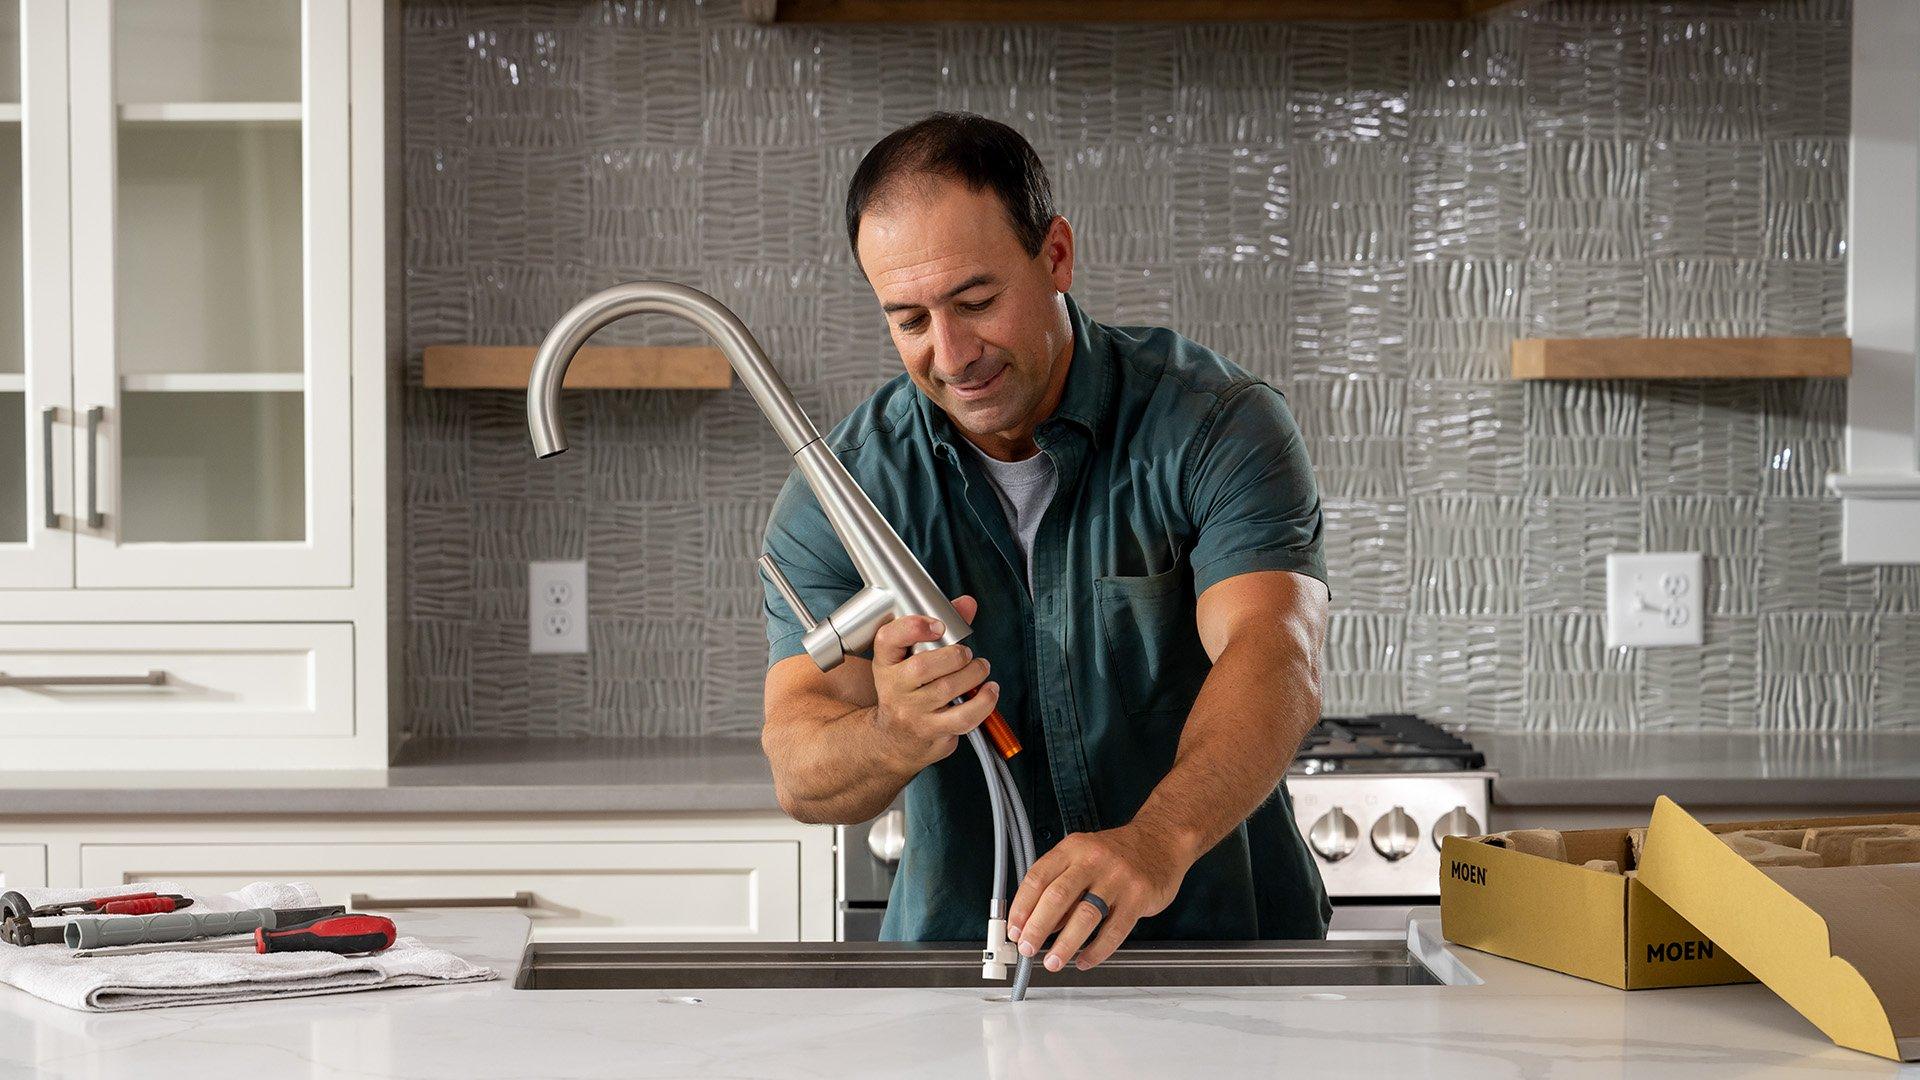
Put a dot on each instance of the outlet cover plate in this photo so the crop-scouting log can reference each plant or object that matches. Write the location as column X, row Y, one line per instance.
column 557, row 607
column 1657, row 598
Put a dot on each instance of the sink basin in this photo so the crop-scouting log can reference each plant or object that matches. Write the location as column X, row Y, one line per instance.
column 849, row 965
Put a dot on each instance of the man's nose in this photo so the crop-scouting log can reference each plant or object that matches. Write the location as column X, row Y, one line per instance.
column 955, row 347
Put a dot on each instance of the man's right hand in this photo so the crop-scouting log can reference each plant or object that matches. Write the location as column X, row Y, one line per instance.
column 916, row 715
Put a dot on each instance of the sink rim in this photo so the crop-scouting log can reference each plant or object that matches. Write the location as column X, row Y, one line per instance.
column 1149, row 958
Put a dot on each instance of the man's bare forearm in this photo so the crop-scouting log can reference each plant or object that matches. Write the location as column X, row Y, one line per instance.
column 830, row 765
column 1238, row 740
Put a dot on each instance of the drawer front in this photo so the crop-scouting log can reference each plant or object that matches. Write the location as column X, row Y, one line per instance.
column 209, row 680
column 726, row 890
column 23, row 866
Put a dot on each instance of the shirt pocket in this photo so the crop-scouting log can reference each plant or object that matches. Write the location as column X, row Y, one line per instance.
column 1155, row 662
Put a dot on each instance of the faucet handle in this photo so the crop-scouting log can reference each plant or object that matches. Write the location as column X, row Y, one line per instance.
column 780, row 582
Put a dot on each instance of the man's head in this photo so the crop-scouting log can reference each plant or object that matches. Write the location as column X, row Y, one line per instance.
column 952, row 221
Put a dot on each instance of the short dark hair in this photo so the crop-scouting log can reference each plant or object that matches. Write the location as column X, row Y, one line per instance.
column 980, row 153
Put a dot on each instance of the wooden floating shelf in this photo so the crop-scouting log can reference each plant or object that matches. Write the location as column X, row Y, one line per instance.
column 607, row 367
column 1111, row 11
column 1683, row 358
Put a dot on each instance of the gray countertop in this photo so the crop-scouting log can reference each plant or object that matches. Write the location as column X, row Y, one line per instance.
column 1519, row 1021
column 1703, row 768
column 717, row 775
column 452, row 777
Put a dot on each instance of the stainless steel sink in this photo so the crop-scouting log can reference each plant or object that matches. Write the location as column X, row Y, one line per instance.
column 847, row 965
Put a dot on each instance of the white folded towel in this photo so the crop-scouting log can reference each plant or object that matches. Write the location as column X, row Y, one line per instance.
column 158, row 979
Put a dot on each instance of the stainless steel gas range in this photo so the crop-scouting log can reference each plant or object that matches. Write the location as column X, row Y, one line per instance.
column 1373, row 795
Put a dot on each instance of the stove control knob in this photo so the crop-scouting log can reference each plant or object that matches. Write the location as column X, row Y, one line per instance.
column 1334, row 836
column 1395, row 835
column 1457, row 823
column 887, row 836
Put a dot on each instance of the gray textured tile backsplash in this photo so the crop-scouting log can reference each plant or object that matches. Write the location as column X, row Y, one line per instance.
column 1364, row 214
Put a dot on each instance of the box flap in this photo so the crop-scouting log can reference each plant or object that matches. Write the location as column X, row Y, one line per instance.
column 1873, row 922
column 1784, row 940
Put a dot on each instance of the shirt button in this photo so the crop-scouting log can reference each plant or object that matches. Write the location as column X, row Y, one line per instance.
column 1046, row 836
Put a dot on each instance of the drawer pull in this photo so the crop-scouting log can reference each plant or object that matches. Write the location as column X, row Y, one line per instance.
column 151, row 678
column 517, row 900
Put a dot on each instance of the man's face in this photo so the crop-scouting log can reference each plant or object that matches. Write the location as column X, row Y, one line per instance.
column 980, row 324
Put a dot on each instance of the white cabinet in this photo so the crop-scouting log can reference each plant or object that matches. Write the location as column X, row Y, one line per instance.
column 650, row 877
column 151, row 685
column 193, row 397
column 595, row 890
column 23, row 865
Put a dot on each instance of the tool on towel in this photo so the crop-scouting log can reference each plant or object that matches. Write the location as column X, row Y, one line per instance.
column 132, row 904
column 22, row 931
column 15, row 905
column 179, row 926
column 17, row 914
column 342, row 934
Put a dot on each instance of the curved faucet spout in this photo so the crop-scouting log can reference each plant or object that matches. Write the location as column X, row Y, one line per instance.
column 897, row 584
column 665, row 298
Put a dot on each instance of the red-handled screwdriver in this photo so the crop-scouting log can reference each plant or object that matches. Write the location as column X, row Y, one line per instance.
column 343, row 934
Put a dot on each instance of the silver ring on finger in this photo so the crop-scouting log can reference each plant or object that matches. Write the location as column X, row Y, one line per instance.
column 1092, row 900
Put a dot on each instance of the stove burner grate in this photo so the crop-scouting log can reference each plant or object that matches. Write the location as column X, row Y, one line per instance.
column 1384, row 742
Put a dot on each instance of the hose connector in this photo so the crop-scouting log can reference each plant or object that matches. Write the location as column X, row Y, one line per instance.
column 1000, row 951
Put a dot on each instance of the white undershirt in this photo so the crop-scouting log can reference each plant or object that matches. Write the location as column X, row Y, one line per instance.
column 1024, row 488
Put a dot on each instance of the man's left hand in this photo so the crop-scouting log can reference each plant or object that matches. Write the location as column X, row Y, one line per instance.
column 1136, row 870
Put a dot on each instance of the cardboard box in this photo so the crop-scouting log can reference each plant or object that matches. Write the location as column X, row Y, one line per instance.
column 1839, row 943
column 1560, row 915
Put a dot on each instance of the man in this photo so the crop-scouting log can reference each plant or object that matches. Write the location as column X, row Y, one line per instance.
column 1136, row 532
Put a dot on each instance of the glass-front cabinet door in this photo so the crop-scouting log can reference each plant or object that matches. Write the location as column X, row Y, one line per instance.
column 36, row 378
column 210, row 298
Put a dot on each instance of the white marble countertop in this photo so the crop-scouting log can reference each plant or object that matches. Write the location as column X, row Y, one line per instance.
column 1522, row 1022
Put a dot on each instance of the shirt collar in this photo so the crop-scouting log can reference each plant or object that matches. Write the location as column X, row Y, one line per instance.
column 1084, row 400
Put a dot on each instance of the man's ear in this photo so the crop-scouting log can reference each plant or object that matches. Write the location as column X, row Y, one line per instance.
column 1057, row 251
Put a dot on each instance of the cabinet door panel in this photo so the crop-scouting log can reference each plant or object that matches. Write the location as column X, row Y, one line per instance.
column 210, row 145
column 36, row 375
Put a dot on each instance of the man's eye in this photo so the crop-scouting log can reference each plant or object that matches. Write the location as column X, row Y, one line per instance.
column 915, row 323
column 977, row 306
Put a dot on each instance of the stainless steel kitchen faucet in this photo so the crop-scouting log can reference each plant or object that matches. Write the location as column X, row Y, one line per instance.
column 895, row 582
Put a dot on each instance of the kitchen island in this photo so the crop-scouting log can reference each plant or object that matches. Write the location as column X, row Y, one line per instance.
column 1520, row 1021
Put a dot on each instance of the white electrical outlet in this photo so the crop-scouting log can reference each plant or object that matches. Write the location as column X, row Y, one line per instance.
column 557, row 607
column 1654, row 599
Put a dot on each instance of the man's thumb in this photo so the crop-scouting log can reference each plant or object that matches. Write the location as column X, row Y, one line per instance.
column 967, row 606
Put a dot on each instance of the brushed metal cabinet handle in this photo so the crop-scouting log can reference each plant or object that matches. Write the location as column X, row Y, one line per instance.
column 517, row 900
column 151, row 678
column 94, row 517
column 47, row 416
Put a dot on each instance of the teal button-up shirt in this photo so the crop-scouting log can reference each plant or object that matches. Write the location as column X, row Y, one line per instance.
column 1177, row 470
